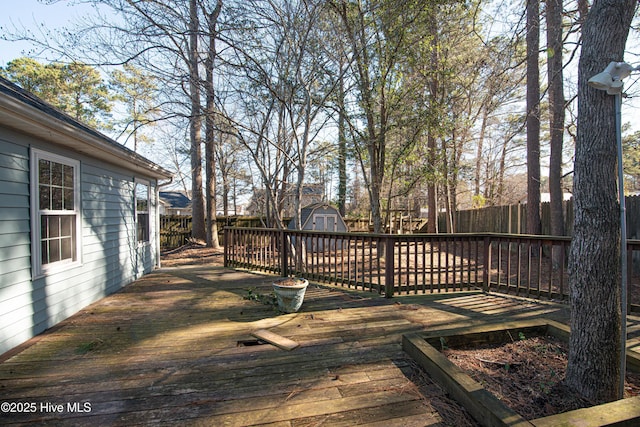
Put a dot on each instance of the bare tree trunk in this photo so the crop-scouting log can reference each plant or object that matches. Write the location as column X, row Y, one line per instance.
column 376, row 143
column 210, row 162
column 556, row 114
column 226, row 191
column 235, row 197
column 534, row 225
column 432, row 208
column 197, row 203
column 302, row 162
column 501, row 170
column 594, row 261
column 447, row 187
column 210, row 132
column 479, row 158
column 373, row 106
column 342, row 150
column 456, row 159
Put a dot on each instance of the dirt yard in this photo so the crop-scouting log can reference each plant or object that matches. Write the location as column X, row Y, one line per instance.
column 193, row 254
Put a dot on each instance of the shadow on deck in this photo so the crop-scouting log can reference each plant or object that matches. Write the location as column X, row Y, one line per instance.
column 165, row 350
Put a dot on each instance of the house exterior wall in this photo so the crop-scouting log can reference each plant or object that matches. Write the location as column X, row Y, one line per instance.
column 110, row 255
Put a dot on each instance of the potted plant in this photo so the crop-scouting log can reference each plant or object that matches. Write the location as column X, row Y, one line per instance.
column 290, row 293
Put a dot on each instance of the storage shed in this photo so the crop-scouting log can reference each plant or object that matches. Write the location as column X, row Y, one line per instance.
column 78, row 215
column 321, row 217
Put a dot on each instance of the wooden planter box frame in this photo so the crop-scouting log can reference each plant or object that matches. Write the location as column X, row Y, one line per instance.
column 487, row 409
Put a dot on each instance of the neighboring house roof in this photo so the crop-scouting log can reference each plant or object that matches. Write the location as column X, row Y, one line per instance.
column 175, row 199
column 546, row 197
column 313, row 189
column 23, row 111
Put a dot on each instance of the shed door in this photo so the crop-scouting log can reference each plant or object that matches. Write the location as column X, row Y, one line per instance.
column 325, row 222
column 331, row 223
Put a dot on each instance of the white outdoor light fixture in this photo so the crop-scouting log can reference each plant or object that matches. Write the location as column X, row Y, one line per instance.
column 610, row 80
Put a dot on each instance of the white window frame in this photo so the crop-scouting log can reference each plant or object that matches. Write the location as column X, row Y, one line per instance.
column 135, row 205
column 38, row 268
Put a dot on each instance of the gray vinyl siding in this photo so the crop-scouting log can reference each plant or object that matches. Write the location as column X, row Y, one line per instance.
column 108, row 225
column 110, row 254
column 15, row 244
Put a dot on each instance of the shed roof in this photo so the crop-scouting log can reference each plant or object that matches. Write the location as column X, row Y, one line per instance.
column 307, row 211
column 23, row 111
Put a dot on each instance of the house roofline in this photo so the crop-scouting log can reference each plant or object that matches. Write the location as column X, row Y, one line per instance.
column 23, row 111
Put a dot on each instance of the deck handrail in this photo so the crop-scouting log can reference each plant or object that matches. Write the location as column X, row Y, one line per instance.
column 527, row 265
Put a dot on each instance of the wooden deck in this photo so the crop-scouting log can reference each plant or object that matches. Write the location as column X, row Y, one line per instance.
column 174, row 349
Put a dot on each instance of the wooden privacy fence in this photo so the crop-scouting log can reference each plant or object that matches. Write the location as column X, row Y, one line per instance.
column 504, row 219
column 175, row 230
column 528, row 266
column 513, row 218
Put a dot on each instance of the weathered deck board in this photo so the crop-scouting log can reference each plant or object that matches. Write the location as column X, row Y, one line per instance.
column 275, row 339
column 165, row 351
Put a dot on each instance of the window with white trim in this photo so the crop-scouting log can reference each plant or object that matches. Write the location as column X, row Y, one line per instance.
column 142, row 211
column 56, row 211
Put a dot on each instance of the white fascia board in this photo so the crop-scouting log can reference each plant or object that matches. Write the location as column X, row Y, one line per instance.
column 74, row 135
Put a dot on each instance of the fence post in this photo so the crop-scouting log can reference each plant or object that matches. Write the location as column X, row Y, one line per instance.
column 389, row 266
column 284, row 258
column 487, row 264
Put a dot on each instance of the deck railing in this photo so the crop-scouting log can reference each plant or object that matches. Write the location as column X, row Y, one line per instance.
column 529, row 266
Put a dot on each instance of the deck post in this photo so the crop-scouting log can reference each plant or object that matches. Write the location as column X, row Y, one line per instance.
column 389, row 267
column 284, row 268
column 486, row 264
column 226, row 246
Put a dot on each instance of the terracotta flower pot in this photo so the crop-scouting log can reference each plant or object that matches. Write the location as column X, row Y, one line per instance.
column 290, row 293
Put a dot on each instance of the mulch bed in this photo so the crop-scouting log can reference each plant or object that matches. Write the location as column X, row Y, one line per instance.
column 527, row 375
column 452, row 413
